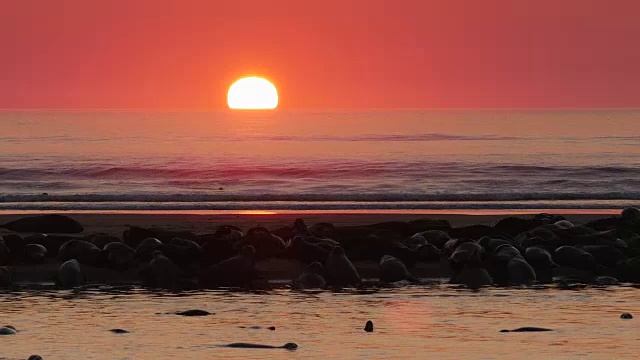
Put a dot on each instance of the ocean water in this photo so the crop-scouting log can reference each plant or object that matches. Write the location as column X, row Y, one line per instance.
column 288, row 160
column 417, row 322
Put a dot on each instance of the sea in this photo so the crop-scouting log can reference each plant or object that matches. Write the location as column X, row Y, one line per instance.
column 367, row 160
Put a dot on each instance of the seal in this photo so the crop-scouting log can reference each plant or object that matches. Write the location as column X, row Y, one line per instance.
column 265, row 244
column 236, row 271
column 392, row 270
column 83, row 251
column 34, row 253
column 8, row 330
column 527, row 329
column 288, row 346
column 35, row 357
column 473, row 277
column 161, row 272
column 119, row 255
column 520, row 272
column 305, row 251
column 573, row 257
column 542, row 263
column 312, row 277
column 145, row 249
column 69, row 275
column 340, row 270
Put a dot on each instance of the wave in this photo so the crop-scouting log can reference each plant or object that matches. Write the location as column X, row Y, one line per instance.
column 324, row 206
column 305, row 197
column 297, row 169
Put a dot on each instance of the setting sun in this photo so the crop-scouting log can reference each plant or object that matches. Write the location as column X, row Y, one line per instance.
column 252, row 93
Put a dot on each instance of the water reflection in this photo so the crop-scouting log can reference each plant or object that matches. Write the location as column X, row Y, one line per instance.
column 440, row 321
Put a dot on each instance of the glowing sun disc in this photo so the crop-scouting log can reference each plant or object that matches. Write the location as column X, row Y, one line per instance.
column 252, row 93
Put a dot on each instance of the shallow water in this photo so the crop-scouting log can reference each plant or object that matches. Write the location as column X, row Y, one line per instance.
column 418, row 322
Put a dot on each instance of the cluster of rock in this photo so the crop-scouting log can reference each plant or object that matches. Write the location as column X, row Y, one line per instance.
column 514, row 251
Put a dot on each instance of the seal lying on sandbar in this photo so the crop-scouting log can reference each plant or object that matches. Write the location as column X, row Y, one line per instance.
column 527, row 329
column 288, row 346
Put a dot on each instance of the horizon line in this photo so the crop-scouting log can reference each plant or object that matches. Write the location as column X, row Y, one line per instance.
column 359, row 109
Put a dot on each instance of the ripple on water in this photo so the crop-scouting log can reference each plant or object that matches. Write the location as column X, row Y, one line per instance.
column 415, row 322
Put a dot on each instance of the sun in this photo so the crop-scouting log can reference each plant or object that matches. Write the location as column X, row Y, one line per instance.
column 252, row 93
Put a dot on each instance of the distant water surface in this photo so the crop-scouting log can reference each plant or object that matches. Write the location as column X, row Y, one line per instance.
column 483, row 159
column 434, row 322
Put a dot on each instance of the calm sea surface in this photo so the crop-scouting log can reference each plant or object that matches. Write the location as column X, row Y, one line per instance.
column 435, row 322
column 488, row 159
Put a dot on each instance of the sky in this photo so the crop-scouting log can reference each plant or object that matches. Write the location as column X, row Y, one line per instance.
column 184, row 54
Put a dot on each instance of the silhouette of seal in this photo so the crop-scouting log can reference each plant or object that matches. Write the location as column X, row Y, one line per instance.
column 368, row 326
column 392, row 270
column 35, row 357
column 161, row 272
column 288, row 346
column 236, row 271
column 69, row 275
column 527, row 329
column 520, row 272
column 145, row 249
column 312, row 277
column 83, row 251
column 340, row 270
column 34, row 253
column 119, row 255
column 193, row 312
column 119, row 331
column 626, row 316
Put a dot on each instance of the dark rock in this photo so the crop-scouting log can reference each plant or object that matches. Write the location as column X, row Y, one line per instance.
column 475, row 232
column 369, row 326
column 626, row 316
column 119, row 331
column 527, row 329
column 193, row 312
column 513, row 225
column 45, row 224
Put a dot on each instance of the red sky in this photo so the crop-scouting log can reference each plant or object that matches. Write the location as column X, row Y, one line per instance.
column 171, row 54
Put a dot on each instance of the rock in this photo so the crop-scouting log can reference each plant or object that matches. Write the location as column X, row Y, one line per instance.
column 193, row 312
column 69, row 275
column 5, row 254
column 83, row 251
column 5, row 276
column 56, row 224
column 626, row 316
column 368, row 326
column 34, row 254
column 436, row 238
column 160, row 273
column 514, row 225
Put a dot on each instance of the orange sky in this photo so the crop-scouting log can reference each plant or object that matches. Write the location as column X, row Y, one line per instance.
column 170, row 54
